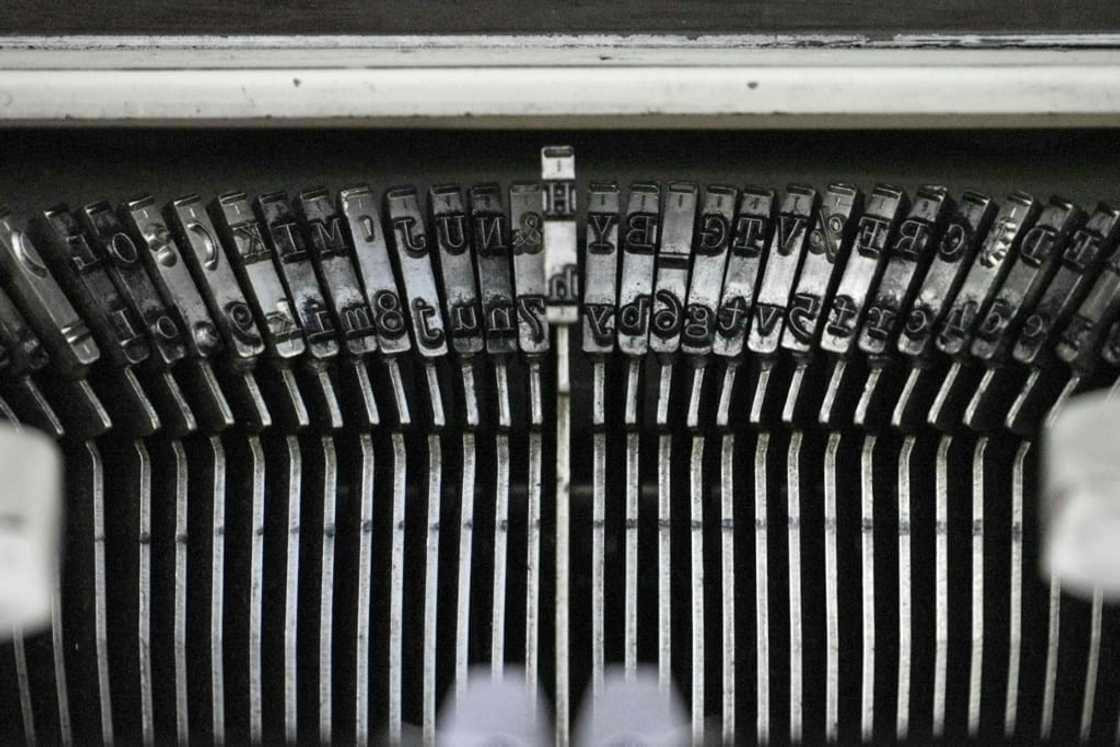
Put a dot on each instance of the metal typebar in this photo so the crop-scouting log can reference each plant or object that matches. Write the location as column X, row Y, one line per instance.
column 1015, row 620
column 867, row 566
column 796, row 685
column 664, row 560
column 466, row 541
column 598, row 531
column 599, row 314
column 179, row 635
column 329, row 492
column 1092, row 667
column 501, row 539
column 941, row 584
column 976, row 655
column 1053, row 636
column 365, row 594
column 697, row 534
column 762, row 594
column 905, row 634
column 533, row 563
column 562, row 286
column 396, row 586
column 831, row 599
column 256, row 585
column 727, row 568
column 294, row 459
column 431, row 586
column 633, row 495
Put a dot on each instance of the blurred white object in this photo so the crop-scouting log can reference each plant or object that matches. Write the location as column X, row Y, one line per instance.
column 1080, row 507
column 30, row 519
column 495, row 712
column 633, row 712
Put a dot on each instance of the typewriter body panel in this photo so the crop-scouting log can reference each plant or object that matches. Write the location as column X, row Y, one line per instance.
column 342, row 425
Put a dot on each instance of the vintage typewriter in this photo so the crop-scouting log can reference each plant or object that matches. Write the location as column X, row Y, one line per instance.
column 348, row 414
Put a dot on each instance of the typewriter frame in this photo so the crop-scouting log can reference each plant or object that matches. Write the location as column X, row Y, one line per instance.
column 587, row 81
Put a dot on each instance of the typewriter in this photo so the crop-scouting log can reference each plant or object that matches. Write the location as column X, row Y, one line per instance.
column 349, row 415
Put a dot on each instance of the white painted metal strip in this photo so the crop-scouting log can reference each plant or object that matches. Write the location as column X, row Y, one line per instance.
column 714, row 95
